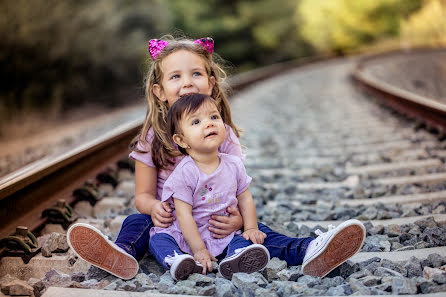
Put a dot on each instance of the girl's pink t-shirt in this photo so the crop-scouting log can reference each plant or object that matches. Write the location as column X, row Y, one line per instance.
column 207, row 194
column 230, row 146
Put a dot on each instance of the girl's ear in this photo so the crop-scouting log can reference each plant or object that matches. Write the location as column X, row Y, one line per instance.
column 157, row 90
column 212, row 81
column 178, row 139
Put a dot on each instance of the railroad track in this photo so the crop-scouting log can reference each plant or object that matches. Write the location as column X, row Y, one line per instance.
column 355, row 161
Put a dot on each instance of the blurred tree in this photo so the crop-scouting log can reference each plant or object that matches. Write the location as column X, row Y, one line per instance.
column 342, row 25
column 248, row 33
column 67, row 52
column 427, row 26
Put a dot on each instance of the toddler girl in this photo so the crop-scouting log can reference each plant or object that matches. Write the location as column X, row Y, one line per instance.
column 203, row 183
column 182, row 67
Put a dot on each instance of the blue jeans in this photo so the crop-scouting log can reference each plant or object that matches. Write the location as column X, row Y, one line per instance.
column 162, row 245
column 134, row 238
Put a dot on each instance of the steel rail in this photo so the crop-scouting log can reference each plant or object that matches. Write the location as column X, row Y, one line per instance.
column 422, row 108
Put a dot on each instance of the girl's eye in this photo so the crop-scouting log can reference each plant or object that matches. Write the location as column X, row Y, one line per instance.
column 175, row 76
column 214, row 117
column 195, row 122
column 197, row 73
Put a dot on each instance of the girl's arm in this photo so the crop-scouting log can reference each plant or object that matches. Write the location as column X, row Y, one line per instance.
column 145, row 196
column 190, row 232
column 248, row 210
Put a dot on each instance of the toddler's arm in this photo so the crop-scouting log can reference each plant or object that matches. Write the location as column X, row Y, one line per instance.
column 248, row 210
column 192, row 236
column 145, row 196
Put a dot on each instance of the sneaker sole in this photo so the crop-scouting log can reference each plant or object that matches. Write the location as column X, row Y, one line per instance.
column 337, row 252
column 186, row 268
column 90, row 245
column 249, row 261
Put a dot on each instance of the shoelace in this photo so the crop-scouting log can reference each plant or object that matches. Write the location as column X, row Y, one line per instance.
column 320, row 233
column 170, row 259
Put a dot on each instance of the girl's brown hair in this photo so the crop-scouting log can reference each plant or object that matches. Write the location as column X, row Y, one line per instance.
column 163, row 149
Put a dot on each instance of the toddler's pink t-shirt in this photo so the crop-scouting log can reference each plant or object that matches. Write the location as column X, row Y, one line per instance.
column 207, row 194
column 230, row 146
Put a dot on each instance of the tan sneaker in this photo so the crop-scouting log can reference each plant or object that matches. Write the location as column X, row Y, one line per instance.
column 92, row 246
column 249, row 259
column 332, row 248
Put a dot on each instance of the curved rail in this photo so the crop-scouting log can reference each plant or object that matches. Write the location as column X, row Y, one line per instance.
column 428, row 110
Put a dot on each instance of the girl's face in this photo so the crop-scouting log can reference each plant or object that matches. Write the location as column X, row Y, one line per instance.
column 183, row 72
column 203, row 130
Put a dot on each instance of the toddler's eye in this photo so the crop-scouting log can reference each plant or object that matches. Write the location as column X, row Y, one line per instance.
column 215, row 117
column 195, row 122
column 175, row 76
column 196, row 73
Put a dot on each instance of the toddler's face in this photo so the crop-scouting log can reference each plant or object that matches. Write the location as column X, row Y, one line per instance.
column 203, row 130
column 184, row 73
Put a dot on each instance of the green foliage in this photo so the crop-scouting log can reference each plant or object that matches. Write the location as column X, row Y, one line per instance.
column 427, row 26
column 68, row 52
column 246, row 32
column 343, row 25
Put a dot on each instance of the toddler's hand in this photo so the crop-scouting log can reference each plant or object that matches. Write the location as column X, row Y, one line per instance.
column 255, row 235
column 162, row 215
column 205, row 257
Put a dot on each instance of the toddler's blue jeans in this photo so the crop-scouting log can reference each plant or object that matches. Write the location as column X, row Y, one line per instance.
column 134, row 238
column 162, row 245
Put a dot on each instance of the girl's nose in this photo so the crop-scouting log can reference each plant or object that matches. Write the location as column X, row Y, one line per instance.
column 187, row 82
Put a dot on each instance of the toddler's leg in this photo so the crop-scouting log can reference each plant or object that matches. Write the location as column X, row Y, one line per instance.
column 243, row 256
column 167, row 252
column 334, row 247
column 134, row 235
column 92, row 246
column 290, row 249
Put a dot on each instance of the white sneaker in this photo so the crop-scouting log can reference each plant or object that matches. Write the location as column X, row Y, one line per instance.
column 92, row 246
column 249, row 259
column 332, row 248
column 181, row 266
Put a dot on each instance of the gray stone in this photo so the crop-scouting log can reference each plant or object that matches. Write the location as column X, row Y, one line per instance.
column 243, row 281
column 57, row 279
column 370, row 281
column 440, row 278
column 426, row 223
column 225, row 287
column 357, row 286
column 436, row 260
column 393, row 230
column 413, row 267
column 403, row 286
column 309, row 280
column 274, row 266
column 96, row 273
column 341, row 290
column 56, row 242
column 207, row 291
column 201, row 280
column 382, row 271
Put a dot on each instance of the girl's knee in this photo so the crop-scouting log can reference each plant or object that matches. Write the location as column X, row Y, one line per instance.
column 138, row 218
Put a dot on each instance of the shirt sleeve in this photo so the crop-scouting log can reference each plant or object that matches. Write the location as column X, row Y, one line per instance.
column 180, row 184
column 243, row 179
column 231, row 144
column 145, row 156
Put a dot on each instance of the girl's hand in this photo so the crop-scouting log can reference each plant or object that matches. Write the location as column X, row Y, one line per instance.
column 255, row 235
column 205, row 257
column 162, row 214
column 222, row 226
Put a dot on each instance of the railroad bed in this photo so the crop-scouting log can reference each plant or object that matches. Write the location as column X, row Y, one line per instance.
column 320, row 152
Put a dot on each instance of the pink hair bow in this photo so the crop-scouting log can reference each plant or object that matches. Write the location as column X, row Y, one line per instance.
column 157, row 45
